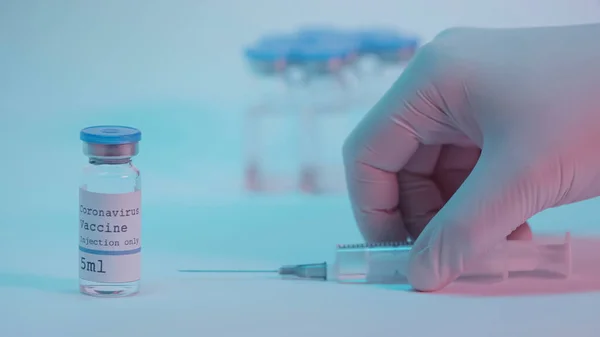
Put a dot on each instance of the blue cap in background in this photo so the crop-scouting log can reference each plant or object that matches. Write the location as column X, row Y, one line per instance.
column 266, row 54
column 270, row 48
column 383, row 40
column 110, row 135
column 322, row 43
column 322, row 51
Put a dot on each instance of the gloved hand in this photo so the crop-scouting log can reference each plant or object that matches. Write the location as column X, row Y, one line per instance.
column 484, row 129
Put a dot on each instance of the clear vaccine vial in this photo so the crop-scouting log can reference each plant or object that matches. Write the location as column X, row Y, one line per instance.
column 110, row 213
column 326, row 118
column 270, row 127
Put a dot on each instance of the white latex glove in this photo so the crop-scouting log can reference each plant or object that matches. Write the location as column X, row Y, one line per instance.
column 484, row 129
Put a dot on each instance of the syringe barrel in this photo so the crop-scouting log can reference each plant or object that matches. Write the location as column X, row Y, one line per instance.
column 388, row 263
column 371, row 263
column 350, row 265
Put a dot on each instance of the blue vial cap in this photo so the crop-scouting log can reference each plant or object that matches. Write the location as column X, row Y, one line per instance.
column 383, row 40
column 266, row 54
column 270, row 48
column 328, row 35
column 110, row 135
column 323, row 51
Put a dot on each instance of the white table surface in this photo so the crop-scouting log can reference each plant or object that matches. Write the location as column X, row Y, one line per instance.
column 39, row 295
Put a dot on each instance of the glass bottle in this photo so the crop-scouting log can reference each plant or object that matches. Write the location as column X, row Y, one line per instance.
column 269, row 125
column 326, row 119
column 110, row 213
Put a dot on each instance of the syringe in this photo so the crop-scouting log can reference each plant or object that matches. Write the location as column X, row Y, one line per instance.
column 387, row 262
column 313, row 271
column 351, row 263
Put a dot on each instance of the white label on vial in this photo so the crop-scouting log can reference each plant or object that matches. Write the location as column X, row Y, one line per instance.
column 110, row 229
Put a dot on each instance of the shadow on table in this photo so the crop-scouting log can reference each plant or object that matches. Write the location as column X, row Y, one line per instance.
column 585, row 278
column 39, row 282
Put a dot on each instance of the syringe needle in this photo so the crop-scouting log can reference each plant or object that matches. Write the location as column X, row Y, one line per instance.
column 225, row 271
column 316, row 271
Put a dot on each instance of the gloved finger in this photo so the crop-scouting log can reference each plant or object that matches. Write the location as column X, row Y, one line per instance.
column 454, row 165
column 372, row 183
column 522, row 232
column 426, row 183
column 381, row 145
column 419, row 196
column 496, row 198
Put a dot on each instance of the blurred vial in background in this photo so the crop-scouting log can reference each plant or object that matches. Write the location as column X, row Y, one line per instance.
column 314, row 86
column 382, row 56
column 270, row 131
column 326, row 117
